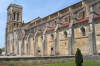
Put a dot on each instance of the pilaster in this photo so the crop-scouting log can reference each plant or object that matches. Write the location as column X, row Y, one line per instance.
column 27, row 45
column 92, row 38
column 34, row 44
column 56, row 44
column 22, row 46
column 44, row 42
column 71, row 36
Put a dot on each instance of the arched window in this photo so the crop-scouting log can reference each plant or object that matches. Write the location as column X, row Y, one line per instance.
column 66, row 19
column 52, row 49
column 52, row 36
column 65, row 33
column 17, row 16
column 55, row 23
column 14, row 15
column 81, row 15
column 83, row 31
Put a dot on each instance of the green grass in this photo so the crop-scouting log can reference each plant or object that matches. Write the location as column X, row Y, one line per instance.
column 86, row 63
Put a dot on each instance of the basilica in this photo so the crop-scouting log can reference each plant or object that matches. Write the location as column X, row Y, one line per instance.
column 57, row 34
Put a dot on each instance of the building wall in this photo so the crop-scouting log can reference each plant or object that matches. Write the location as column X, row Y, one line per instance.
column 49, row 43
column 63, row 41
column 97, row 31
column 81, row 42
column 39, row 43
column 31, row 46
column 77, row 12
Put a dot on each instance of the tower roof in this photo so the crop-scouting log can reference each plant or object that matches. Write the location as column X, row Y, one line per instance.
column 14, row 5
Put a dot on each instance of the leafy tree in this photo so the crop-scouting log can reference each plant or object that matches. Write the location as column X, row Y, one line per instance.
column 0, row 51
column 78, row 58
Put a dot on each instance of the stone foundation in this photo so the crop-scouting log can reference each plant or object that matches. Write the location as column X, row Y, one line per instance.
column 5, row 61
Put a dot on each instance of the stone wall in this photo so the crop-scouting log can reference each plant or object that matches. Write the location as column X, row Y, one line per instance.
column 97, row 26
column 92, row 58
column 81, row 41
column 35, row 60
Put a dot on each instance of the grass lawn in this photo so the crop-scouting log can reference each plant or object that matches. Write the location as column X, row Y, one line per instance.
column 86, row 63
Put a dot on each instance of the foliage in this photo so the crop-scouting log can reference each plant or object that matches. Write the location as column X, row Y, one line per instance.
column 0, row 51
column 38, row 50
column 78, row 58
column 11, row 64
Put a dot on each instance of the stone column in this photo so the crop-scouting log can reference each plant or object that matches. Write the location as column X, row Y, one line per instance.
column 92, row 36
column 55, row 45
column 34, row 44
column 5, row 49
column 16, row 16
column 17, row 43
column 22, row 46
column 20, row 51
column 71, row 37
column 27, row 45
column 44, row 42
column 12, row 42
column 20, row 43
column 8, row 46
column 27, row 49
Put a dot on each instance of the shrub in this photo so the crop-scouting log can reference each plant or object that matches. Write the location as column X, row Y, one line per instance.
column 78, row 58
column 11, row 64
column 38, row 50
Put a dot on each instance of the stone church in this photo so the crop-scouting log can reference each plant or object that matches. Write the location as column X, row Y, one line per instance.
column 59, row 33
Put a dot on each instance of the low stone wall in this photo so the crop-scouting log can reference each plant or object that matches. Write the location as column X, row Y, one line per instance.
column 23, row 61
column 92, row 58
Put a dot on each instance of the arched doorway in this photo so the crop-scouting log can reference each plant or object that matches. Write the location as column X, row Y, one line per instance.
column 51, row 50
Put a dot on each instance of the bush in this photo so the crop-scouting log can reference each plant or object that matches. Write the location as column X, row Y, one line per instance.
column 11, row 64
column 38, row 51
column 78, row 58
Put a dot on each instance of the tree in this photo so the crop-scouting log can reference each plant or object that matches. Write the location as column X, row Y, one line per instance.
column 0, row 51
column 78, row 58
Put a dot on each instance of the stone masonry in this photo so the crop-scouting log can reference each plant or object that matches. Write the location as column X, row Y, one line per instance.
column 58, row 34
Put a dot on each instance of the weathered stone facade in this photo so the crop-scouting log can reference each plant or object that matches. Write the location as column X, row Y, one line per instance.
column 60, row 33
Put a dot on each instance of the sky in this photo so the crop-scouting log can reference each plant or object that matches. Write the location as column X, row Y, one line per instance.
column 31, row 10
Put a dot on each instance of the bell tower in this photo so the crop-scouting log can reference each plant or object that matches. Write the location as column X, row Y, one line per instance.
column 14, row 17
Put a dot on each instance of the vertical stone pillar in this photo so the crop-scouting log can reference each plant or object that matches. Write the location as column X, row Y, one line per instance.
column 27, row 45
column 56, row 45
column 5, row 49
column 34, row 44
column 12, row 42
column 71, row 36
column 16, row 16
column 26, row 49
column 19, row 51
column 17, row 44
column 92, row 36
column 8, row 46
column 8, row 43
column 44, row 42
column 22, row 46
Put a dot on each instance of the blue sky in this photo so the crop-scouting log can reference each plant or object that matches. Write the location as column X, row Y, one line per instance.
column 31, row 9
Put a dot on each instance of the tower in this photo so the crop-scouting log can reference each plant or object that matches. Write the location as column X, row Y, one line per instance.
column 14, row 21
column 14, row 17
